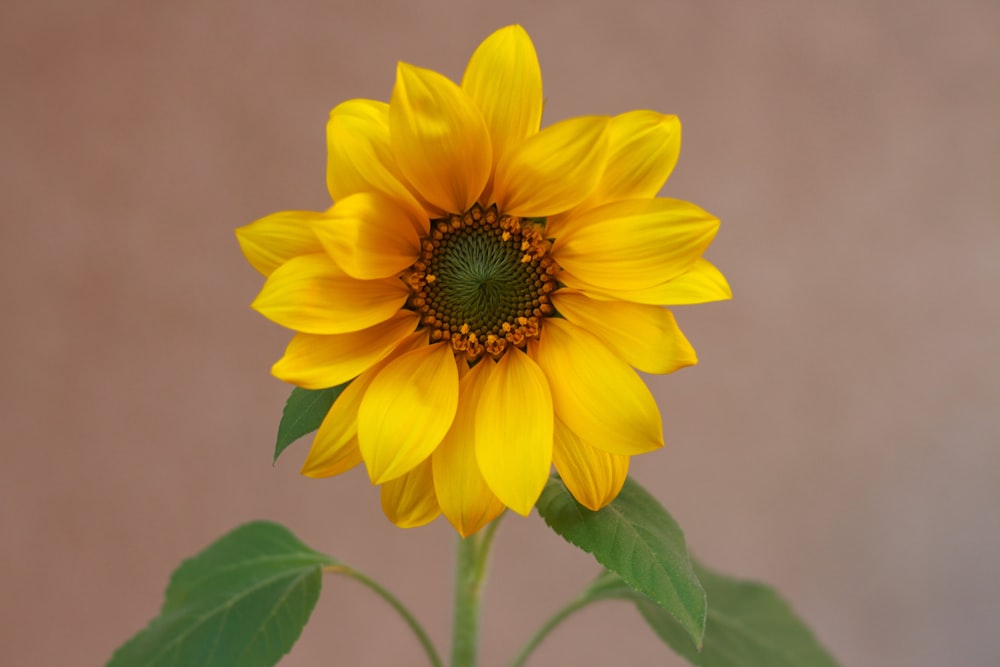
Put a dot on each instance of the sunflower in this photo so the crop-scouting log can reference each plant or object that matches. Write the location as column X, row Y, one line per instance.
column 486, row 288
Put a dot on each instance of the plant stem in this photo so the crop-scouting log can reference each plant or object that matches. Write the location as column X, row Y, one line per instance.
column 542, row 632
column 485, row 546
column 471, row 561
column 418, row 630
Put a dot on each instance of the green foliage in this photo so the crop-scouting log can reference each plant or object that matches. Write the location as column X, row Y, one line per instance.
column 242, row 602
column 748, row 625
column 636, row 539
column 303, row 414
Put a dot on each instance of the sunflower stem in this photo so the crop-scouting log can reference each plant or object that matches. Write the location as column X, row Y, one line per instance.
column 550, row 625
column 472, row 558
column 410, row 619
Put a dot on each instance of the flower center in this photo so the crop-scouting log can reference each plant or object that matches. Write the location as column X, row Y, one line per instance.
column 482, row 281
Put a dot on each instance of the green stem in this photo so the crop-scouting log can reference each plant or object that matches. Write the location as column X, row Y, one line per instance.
column 550, row 625
column 472, row 558
column 484, row 547
column 418, row 630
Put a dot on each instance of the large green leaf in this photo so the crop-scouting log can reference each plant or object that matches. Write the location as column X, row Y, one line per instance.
column 748, row 625
column 242, row 602
column 303, row 414
column 635, row 538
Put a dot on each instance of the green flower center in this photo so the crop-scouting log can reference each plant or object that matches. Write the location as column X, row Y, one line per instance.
column 482, row 281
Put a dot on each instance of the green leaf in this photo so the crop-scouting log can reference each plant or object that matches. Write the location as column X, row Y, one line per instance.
column 242, row 602
column 609, row 586
column 304, row 412
column 749, row 625
column 635, row 538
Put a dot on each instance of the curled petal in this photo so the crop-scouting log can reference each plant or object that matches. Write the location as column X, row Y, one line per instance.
column 369, row 236
column 409, row 501
column 464, row 496
column 273, row 240
column 646, row 337
column 592, row 475
column 514, row 430
column 504, row 79
column 596, row 393
column 554, row 170
column 315, row 361
column 440, row 139
column 312, row 294
column 407, row 410
column 634, row 243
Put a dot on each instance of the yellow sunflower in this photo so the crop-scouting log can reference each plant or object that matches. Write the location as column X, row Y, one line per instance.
column 486, row 287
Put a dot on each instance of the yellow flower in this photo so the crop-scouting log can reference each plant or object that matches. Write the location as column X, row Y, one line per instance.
column 487, row 288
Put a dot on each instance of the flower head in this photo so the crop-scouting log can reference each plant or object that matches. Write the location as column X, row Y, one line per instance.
column 486, row 287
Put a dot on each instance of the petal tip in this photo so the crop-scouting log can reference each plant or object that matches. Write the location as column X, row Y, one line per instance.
column 523, row 510
column 309, row 471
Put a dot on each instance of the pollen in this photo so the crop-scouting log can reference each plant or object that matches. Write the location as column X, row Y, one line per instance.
column 482, row 281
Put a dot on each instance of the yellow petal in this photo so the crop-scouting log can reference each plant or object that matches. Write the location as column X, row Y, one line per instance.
column 409, row 500
column 646, row 337
column 700, row 283
column 315, row 361
column 359, row 157
column 504, row 80
column 312, row 294
column 635, row 243
column 554, row 170
column 273, row 240
column 464, row 496
column 514, row 430
column 407, row 410
column 592, row 475
column 439, row 138
column 596, row 393
column 335, row 447
column 369, row 236
column 326, row 461
column 643, row 149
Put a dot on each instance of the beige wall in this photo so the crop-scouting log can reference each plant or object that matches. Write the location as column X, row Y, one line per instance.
column 839, row 439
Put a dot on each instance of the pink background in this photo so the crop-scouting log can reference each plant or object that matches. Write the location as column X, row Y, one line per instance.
column 840, row 438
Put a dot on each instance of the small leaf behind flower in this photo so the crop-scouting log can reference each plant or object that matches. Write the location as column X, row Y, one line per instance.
column 749, row 625
column 303, row 414
column 638, row 540
column 242, row 602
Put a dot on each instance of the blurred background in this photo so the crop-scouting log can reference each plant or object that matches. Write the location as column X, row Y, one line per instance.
column 840, row 438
